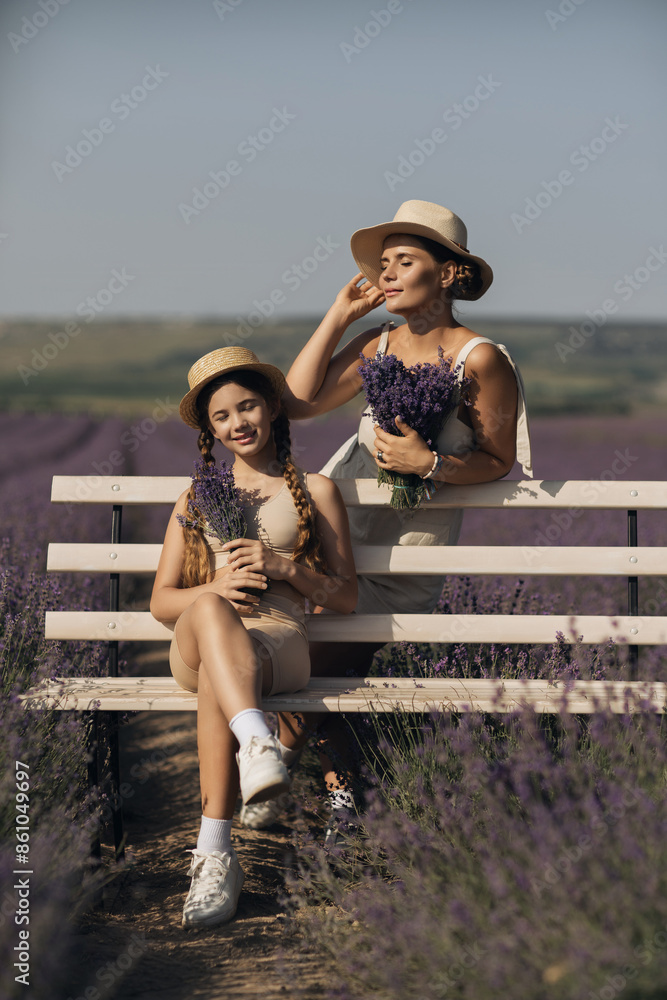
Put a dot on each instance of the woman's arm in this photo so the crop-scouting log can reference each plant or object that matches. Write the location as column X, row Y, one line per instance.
column 493, row 398
column 318, row 382
column 335, row 589
column 169, row 598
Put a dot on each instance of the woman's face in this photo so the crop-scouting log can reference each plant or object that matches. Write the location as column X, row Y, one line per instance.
column 410, row 277
column 240, row 419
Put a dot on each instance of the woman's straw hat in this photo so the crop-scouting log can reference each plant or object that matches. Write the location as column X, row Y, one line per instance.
column 221, row 362
column 416, row 218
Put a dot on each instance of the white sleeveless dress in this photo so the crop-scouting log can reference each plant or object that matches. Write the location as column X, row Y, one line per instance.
column 422, row 526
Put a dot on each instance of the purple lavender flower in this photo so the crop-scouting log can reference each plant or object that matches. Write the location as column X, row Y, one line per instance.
column 423, row 395
column 216, row 508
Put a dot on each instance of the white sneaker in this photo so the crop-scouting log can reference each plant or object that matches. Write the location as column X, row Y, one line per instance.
column 261, row 770
column 215, row 888
column 263, row 814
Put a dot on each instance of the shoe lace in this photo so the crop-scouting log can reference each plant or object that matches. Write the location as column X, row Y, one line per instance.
column 206, row 873
column 257, row 747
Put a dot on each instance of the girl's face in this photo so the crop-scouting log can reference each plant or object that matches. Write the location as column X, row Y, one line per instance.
column 240, row 419
column 410, row 277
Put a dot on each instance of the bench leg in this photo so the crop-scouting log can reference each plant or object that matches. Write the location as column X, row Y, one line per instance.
column 93, row 781
column 114, row 774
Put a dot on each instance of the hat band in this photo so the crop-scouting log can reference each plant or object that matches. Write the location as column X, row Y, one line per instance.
column 460, row 245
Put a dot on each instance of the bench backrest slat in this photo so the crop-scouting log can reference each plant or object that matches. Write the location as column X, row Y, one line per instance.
column 523, row 629
column 593, row 494
column 409, row 559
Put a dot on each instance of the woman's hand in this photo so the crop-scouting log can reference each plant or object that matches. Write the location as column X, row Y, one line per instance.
column 406, row 454
column 358, row 298
column 246, row 555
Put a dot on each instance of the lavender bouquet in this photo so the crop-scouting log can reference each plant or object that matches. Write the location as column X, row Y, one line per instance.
column 423, row 395
column 216, row 507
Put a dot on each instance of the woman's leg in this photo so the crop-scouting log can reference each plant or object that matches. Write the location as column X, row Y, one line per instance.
column 326, row 659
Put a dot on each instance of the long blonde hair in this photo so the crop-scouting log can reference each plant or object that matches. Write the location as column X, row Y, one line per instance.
column 198, row 563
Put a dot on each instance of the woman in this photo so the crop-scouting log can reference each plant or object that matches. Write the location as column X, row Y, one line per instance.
column 237, row 608
column 418, row 265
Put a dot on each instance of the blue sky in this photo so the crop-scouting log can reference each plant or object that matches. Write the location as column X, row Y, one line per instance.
column 540, row 123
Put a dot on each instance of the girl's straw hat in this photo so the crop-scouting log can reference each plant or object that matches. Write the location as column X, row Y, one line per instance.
column 416, row 218
column 221, row 362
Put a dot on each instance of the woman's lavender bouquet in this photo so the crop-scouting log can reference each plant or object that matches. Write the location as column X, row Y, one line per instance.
column 216, row 506
column 423, row 395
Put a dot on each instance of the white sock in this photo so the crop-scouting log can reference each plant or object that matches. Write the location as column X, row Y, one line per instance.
column 215, row 835
column 249, row 723
column 341, row 798
column 288, row 755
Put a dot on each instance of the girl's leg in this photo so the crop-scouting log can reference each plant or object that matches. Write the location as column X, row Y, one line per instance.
column 217, row 746
column 232, row 674
column 210, row 631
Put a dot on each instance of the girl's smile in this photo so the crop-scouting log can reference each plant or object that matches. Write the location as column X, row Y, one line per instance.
column 240, row 420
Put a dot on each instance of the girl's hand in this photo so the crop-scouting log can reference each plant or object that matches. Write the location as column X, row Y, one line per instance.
column 406, row 454
column 356, row 299
column 234, row 585
column 249, row 555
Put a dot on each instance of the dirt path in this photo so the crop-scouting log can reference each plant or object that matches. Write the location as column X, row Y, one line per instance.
column 134, row 946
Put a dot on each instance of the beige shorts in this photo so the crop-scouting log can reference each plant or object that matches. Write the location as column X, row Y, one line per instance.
column 287, row 649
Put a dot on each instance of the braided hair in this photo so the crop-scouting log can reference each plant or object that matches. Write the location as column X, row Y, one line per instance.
column 198, row 562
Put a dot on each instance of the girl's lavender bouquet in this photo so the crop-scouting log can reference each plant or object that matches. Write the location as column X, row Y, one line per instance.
column 216, row 507
column 423, row 395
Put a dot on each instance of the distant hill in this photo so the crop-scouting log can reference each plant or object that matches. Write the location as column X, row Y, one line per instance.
column 122, row 366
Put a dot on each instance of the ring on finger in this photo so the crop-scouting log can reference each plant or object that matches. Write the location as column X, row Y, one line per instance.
column 379, row 456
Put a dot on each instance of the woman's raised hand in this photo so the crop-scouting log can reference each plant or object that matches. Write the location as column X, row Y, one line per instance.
column 359, row 297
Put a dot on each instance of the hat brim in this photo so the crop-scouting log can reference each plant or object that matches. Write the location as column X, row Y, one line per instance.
column 188, row 405
column 366, row 246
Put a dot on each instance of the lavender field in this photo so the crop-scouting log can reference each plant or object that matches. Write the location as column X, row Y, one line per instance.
column 519, row 860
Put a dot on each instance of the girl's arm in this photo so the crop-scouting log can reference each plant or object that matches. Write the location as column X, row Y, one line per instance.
column 335, row 589
column 493, row 398
column 318, row 382
column 169, row 598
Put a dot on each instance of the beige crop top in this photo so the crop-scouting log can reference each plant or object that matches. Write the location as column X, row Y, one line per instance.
column 273, row 522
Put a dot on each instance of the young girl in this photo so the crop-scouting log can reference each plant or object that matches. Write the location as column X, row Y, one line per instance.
column 231, row 645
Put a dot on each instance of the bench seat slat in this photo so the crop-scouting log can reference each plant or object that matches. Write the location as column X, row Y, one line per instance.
column 140, row 625
column 551, row 494
column 467, row 560
column 361, row 694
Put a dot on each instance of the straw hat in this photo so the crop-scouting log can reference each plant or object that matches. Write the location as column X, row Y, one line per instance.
column 416, row 218
column 220, row 362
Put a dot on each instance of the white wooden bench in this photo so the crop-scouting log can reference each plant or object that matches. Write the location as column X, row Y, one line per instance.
column 114, row 693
